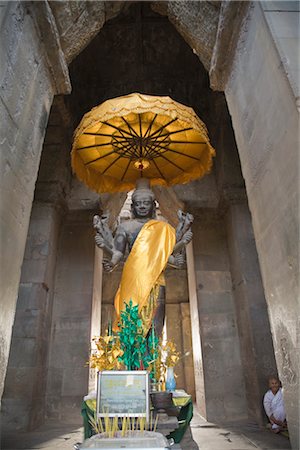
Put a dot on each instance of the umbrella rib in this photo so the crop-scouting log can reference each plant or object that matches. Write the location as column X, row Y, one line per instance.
column 100, row 157
column 140, row 123
column 126, row 170
column 117, row 128
column 103, row 134
column 141, row 136
column 150, row 126
column 154, row 143
column 130, row 146
column 126, row 141
column 176, row 151
column 162, row 127
column 91, row 146
column 182, row 154
column 158, row 169
column 162, row 156
column 176, row 131
column 129, row 126
column 111, row 164
column 128, row 153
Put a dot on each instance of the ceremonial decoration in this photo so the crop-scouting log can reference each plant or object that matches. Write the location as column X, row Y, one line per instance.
column 138, row 135
column 107, row 353
column 132, row 340
column 129, row 349
column 170, row 355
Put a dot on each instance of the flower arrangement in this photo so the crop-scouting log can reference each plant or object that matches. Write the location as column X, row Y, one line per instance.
column 170, row 355
column 107, row 353
column 131, row 350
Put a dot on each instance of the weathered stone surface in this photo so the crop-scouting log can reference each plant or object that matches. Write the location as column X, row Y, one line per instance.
column 25, row 98
column 29, row 348
column 187, row 350
column 72, row 307
column 199, row 193
column 176, row 286
column 197, row 23
column 77, row 23
column 283, row 20
column 48, row 34
column 269, row 160
column 221, row 363
column 231, row 21
column 253, row 322
column 195, row 332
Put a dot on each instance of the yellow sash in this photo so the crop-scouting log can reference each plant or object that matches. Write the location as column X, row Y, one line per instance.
column 144, row 265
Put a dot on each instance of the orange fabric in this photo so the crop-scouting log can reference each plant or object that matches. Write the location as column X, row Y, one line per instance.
column 145, row 264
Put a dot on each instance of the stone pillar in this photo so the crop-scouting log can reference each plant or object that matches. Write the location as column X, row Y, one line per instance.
column 68, row 372
column 25, row 388
column 27, row 89
column 96, row 310
column 196, row 335
column 187, row 349
column 221, row 361
column 266, row 125
column 256, row 345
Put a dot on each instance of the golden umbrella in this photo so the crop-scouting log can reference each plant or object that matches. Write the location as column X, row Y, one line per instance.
column 138, row 135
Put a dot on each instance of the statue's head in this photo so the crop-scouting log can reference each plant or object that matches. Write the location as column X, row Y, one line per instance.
column 143, row 200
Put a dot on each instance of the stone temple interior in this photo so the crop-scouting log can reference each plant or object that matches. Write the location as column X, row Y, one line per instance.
column 224, row 309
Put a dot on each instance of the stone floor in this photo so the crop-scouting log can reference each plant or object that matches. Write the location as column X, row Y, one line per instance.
column 201, row 435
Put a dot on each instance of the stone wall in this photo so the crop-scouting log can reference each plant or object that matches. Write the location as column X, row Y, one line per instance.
column 23, row 404
column 31, row 333
column 257, row 353
column 265, row 122
column 27, row 89
column 71, row 318
column 223, row 386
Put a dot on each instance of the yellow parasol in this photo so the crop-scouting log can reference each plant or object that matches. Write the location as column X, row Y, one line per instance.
column 138, row 135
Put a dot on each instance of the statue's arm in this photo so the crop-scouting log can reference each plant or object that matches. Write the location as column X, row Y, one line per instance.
column 119, row 247
column 186, row 238
column 184, row 235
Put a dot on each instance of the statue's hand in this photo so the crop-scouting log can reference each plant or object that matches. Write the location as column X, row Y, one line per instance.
column 99, row 240
column 108, row 266
column 187, row 237
column 104, row 237
column 177, row 261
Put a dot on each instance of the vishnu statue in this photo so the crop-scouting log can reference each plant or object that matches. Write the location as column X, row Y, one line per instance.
column 152, row 244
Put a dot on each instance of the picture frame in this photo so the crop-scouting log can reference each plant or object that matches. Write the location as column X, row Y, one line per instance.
column 123, row 393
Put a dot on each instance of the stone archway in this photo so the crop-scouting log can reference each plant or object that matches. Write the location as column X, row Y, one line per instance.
column 259, row 149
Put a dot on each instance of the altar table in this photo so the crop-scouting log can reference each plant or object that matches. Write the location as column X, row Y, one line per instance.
column 180, row 399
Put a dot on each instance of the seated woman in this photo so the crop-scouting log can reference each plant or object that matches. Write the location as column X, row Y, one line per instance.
column 274, row 406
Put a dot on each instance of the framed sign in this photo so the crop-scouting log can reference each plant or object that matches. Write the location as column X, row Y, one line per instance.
column 123, row 393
